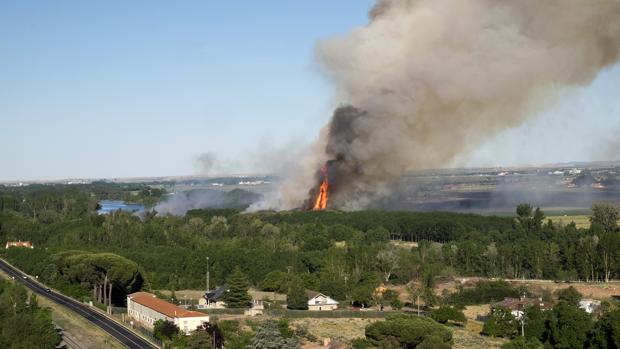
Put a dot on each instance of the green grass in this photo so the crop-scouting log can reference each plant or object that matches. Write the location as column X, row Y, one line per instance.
column 581, row 221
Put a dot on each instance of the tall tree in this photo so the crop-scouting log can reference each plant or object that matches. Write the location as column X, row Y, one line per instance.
column 387, row 261
column 296, row 298
column 605, row 215
column 237, row 295
column 164, row 329
column 568, row 327
column 200, row 339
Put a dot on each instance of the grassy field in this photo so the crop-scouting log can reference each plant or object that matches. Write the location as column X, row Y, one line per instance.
column 469, row 337
column 582, row 221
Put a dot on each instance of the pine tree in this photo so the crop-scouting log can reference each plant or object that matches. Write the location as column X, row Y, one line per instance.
column 200, row 340
column 268, row 336
column 237, row 295
column 296, row 297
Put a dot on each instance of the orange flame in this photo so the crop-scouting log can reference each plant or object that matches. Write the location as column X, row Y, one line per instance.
column 321, row 199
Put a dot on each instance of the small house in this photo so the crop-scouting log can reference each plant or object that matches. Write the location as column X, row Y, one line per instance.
column 517, row 306
column 20, row 243
column 319, row 302
column 589, row 305
column 214, row 299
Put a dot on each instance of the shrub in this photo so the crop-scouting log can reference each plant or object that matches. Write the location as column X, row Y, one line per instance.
column 445, row 313
column 484, row 292
column 501, row 324
column 407, row 332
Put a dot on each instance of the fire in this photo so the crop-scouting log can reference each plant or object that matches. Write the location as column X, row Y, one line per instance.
column 320, row 202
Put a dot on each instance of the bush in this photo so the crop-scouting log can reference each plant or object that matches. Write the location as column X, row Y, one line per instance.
column 407, row 332
column 501, row 324
column 165, row 330
column 569, row 295
column 396, row 304
column 484, row 292
column 361, row 343
column 523, row 343
column 445, row 313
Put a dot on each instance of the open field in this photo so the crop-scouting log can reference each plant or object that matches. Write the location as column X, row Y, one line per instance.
column 469, row 337
column 341, row 329
column 581, row 221
column 588, row 290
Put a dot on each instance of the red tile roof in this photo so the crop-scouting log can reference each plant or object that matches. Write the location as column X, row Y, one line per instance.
column 161, row 306
column 19, row 244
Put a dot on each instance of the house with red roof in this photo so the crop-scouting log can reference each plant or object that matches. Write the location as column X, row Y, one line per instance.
column 147, row 309
column 20, row 243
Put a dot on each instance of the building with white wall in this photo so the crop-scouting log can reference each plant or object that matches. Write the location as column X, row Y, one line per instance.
column 147, row 309
column 319, row 302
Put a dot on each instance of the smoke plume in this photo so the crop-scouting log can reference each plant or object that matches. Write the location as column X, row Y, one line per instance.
column 427, row 80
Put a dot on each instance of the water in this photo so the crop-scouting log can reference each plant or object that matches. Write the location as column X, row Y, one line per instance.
column 108, row 206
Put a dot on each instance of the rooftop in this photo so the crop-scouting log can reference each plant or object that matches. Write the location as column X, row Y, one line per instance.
column 161, row 306
column 19, row 244
column 522, row 303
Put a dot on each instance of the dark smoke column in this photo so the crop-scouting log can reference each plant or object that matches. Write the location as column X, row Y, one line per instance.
column 343, row 168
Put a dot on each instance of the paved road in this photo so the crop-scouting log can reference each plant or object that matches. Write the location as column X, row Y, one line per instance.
column 116, row 330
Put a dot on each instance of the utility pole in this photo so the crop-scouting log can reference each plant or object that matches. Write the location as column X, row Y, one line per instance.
column 207, row 282
column 418, row 302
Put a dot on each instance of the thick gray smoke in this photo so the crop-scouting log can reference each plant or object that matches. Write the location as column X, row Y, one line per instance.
column 432, row 79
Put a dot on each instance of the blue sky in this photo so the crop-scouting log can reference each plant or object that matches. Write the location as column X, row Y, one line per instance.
column 142, row 88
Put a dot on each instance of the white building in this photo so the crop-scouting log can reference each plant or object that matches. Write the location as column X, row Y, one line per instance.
column 589, row 305
column 146, row 309
column 319, row 302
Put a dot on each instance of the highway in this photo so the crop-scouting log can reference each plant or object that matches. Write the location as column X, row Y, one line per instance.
column 116, row 330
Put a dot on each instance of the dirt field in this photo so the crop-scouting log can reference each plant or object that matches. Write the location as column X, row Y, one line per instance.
column 342, row 329
column 588, row 290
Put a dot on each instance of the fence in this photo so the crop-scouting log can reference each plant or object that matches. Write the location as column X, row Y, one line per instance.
column 296, row 314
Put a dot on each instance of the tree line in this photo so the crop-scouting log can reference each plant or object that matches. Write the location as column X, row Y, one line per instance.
column 343, row 254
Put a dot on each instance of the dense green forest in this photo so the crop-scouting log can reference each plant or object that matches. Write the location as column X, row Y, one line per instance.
column 23, row 324
column 343, row 254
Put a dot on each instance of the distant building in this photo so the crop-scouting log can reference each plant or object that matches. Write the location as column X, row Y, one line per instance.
column 256, row 309
column 146, row 309
column 319, row 302
column 214, row 299
column 27, row 244
column 589, row 305
column 517, row 306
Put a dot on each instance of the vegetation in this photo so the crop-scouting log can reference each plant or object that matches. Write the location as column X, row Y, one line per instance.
column 296, row 298
column 401, row 331
column 446, row 313
column 165, row 330
column 345, row 255
column 269, row 336
column 569, row 295
column 237, row 295
column 23, row 324
column 501, row 323
column 484, row 292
